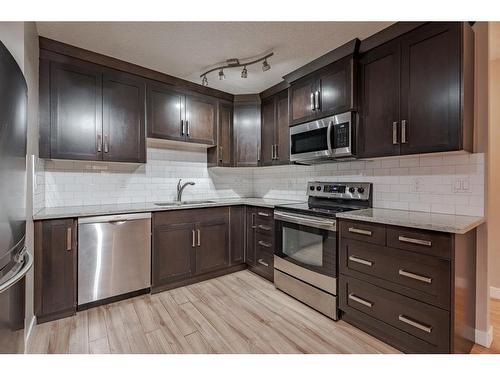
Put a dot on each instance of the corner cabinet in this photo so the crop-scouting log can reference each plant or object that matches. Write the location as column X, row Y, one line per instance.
column 55, row 269
column 246, row 130
column 88, row 112
column 275, row 136
column 222, row 155
column 416, row 92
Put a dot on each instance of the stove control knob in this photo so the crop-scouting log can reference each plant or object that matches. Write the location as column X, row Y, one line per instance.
column 361, row 190
column 318, row 188
column 352, row 190
column 311, row 188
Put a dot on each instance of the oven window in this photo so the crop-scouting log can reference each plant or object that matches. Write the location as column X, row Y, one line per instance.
column 310, row 141
column 304, row 247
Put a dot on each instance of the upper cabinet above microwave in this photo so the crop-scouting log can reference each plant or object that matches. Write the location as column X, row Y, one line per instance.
column 416, row 92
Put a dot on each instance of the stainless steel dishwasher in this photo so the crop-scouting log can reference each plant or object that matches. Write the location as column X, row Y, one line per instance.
column 114, row 256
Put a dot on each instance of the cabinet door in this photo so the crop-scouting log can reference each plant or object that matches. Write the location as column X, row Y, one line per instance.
column 282, row 129
column 201, row 117
column 431, row 89
column 334, row 86
column 251, row 226
column 212, row 251
column 173, row 252
column 75, row 112
column 301, row 100
column 379, row 101
column 165, row 112
column 225, row 134
column 237, row 235
column 124, row 122
column 55, row 272
column 267, row 143
column 246, row 130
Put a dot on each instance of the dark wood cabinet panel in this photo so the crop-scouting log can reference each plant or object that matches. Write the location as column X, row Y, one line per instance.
column 164, row 112
column 267, row 137
column 302, row 100
column 431, row 89
column 75, row 112
column 124, row 122
column 225, row 132
column 282, row 129
column 201, row 117
column 334, row 86
column 173, row 255
column 237, row 234
column 55, row 269
column 246, row 133
column 379, row 102
column 251, row 226
column 212, row 252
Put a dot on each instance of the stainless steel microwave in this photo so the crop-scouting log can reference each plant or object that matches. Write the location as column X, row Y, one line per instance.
column 327, row 138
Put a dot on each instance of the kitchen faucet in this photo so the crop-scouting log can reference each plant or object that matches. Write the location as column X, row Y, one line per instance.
column 180, row 189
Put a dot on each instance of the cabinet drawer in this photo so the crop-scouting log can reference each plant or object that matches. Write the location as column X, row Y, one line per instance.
column 427, row 323
column 264, row 216
column 189, row 215
column 366, row 232
column 264, row 263
column 265, row 228
column 422, row 241
column 419, row 276
column 264, row 243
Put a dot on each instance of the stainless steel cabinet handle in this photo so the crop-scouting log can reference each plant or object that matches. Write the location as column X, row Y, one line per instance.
column 193, row 238
column 68, row 239
column 182, row 127
column 415, row 324
column 265, row 244
column 106, row 145
column 361, row 261
column 360, row 300
column 360, row 231
column 312, row 102
column 395, row 133
column 316, row 99
column 263, row 214
column 264, row 227
column 99, row 143
column 187, row 128
column 253, row 221
column 276, row 152
column 261, row 261
column 272, row 152
column 403, row 131
column 415, row 241
column 415, row 276
column 220, row 153
column 199, row 237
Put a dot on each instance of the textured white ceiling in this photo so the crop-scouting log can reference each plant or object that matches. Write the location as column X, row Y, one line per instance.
column 185, row 49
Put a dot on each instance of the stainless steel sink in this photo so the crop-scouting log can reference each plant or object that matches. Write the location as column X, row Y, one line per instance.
column 173, row 204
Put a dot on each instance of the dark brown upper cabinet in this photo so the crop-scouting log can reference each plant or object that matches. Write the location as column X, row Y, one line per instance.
column 246, row 130
column 323, row 93
column 55, row 269
column 222, row 155
column 275, row 142
column 91, row 113
column 416, row 92
column 177, row 116
column 124, row 128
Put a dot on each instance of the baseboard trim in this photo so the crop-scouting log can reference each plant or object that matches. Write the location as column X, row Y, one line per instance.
column 494, row 292
column 27, row 337
column 484, row 338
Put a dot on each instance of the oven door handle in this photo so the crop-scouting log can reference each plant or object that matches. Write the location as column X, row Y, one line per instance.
column 329, row 137
column 327, row 224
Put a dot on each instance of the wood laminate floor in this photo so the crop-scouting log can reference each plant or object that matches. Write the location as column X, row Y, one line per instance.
column 236, row 313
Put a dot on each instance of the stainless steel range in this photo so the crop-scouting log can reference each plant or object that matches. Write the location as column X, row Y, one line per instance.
column 305, row 260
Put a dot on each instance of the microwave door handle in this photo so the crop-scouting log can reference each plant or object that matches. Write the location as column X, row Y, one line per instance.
column 329, row 137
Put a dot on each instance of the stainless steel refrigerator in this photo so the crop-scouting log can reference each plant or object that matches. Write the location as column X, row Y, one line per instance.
column 14, row 260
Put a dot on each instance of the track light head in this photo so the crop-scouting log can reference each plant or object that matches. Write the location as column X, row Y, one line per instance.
column 244, row 72
column 204, row 81
column 265, row 66
column 221, row 75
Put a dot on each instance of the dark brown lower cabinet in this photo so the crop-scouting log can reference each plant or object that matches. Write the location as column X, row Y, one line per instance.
column 412, row 288
column 237, row 234
column 55, row 269
column 260, row 241
column 191, row 245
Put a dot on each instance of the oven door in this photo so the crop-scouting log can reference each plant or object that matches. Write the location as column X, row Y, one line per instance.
column 306, row 241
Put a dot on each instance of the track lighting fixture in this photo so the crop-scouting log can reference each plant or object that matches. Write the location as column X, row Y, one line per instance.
column 235, row 63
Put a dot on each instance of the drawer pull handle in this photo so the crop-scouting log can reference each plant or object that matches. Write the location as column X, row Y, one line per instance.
column 264, row 227
column 415, row 241
column 265, row 214
column 360, row 300
column 361, row 261
column 265, row 244
column 193, row 238
column 415, row 276
column 415, row 324
column 360, row 231
column 68, row 239
column 263, row 263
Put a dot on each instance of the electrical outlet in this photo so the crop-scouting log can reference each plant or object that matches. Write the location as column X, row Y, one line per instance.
column 417, row 185
column 461, row 185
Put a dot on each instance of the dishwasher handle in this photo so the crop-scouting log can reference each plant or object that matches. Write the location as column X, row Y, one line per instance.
column 114, row 219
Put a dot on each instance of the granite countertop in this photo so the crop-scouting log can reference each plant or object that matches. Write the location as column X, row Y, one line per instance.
column 113, row 209
column 457, row 224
